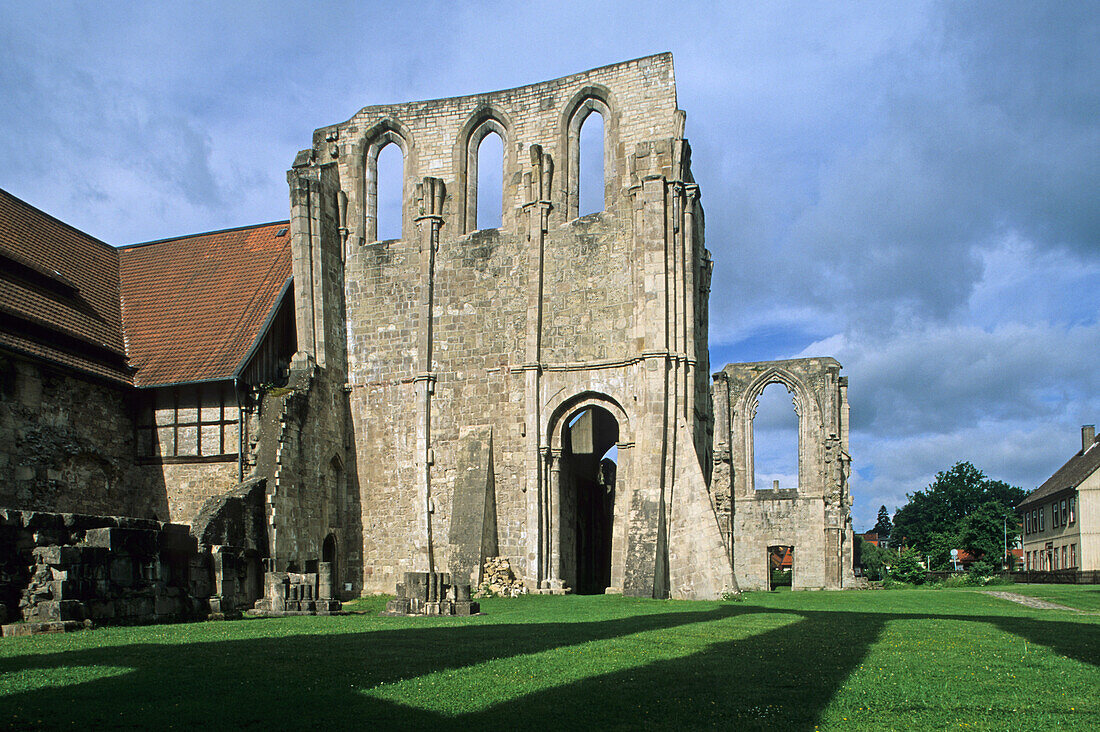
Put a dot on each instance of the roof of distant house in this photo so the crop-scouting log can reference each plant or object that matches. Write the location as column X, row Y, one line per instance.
column 1070, row 475
column 193, row 306
column 59, row 292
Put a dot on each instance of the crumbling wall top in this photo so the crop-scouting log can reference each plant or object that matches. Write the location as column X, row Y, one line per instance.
column 648, row 80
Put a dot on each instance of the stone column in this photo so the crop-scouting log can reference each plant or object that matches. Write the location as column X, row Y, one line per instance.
column 646, row 550
column 554, row 529
column 538, row 207
column 325, row 581
column 690, row 285
column 430, row 195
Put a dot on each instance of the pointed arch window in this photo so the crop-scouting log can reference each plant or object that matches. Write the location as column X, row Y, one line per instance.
column 386, row 163
column 490, row 183
column 775, row 446
column 390, row 196
column 590, row 165
column 589, row 144
column 486, row 151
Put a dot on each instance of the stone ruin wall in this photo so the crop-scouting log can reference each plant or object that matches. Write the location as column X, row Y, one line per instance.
column 603, row 298
column 67, row 445
column 815, row 517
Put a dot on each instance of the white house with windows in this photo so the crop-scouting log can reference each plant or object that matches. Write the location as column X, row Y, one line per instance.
column 1061, row 518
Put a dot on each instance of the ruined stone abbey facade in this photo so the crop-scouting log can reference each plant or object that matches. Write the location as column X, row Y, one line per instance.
column 521, row 355
column 539, row 391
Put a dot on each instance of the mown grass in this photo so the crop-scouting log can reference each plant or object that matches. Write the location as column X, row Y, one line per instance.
column 907, row 659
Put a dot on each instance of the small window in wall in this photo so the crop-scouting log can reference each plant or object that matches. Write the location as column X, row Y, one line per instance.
column 1072, row 509
column 1065, row 556
column 390, row 192
column 591, row 175
column 490, row 182
column 189, row 421
column 1073, row 556
column 1065, row 511
column 1027, row 523
column 1054, row 515
column 775, row 440
column 1041, row 512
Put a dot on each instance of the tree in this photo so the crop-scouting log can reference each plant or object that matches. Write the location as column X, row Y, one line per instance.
column 908, row 568
column 983, row 531
column 873, row 559
column 944, row 510
column 938, row 549
column 883, row 526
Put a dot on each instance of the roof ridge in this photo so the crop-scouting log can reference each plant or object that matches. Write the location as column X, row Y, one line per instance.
column 56, row 220
column 203, row 233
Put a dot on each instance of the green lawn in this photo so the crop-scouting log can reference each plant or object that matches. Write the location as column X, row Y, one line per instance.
column 876, row 660
column 1082, row 597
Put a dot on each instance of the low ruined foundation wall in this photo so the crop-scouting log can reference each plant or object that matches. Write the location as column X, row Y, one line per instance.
column 57, row 567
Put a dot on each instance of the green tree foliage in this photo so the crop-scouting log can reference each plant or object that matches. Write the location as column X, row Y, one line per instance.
column 938, row 549
column 883, row 527
column 873, row 559
column 907, row 567
column 961, row 504
column 983, row 531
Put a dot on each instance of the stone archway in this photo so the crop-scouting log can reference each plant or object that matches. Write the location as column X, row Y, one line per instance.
column 587, row 489
column 583, row 430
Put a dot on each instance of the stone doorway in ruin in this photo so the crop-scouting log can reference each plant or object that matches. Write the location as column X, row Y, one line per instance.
column 780, row 566
column 588, row 471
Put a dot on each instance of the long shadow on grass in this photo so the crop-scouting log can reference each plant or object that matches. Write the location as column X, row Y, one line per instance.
column 783, row 677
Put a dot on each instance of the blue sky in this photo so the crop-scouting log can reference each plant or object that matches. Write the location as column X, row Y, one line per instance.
column 908, row 187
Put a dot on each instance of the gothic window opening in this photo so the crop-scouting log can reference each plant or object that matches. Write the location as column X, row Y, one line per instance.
column 389, row 192
column 336, row 490
column 775, row 440
column 487, row 178
column 590, row 178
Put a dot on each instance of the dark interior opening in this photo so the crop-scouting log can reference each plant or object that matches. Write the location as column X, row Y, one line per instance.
column 588, row 499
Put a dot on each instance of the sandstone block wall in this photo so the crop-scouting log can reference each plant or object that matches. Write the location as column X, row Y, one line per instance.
column 189, row 485
column 518, row 328
column 815, row 517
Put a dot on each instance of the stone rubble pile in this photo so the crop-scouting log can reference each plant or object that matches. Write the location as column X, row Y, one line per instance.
column 498, row 580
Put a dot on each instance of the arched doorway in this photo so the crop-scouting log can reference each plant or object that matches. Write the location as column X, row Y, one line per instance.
column 588, row 472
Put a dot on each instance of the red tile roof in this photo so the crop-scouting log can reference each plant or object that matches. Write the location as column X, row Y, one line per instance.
column 59, row 292
column 192, row 306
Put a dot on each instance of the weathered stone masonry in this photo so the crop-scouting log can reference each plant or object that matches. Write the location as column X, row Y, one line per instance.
column 814, row 518
column 518, row 329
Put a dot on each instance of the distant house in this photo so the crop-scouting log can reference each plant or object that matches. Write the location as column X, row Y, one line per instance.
column 871, row 537
column 1062, row 519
